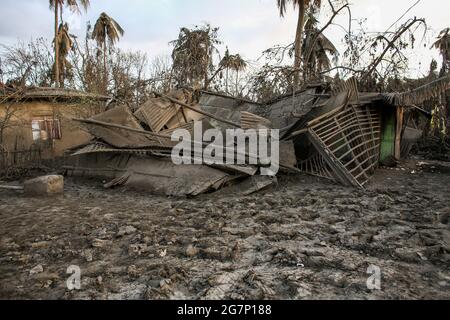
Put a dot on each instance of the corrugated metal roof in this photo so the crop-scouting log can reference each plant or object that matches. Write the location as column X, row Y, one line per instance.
column 156, row 113
column 252, row 121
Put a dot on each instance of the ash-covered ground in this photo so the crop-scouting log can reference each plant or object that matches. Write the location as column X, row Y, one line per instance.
column 305, row 239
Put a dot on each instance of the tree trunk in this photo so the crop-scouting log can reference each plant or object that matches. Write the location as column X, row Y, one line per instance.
column 206, row 69
column 226, row 81
column 62, row 66
column 62, row 77
column 105, row 70
column 57, row 82
column 206, row 76
column 298, row 43
column 237, row 83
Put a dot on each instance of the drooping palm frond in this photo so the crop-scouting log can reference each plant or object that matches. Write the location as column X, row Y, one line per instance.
column 107, row 29
column 303, row 7
column 57, row 7
column 233, row 62
column 443, row 42
column 193, row 54
column 237, row 63
column 64, row 40
column 443, row 45
column 73, row 4
column 226, row 60
column 282, row 4
column 316, row 48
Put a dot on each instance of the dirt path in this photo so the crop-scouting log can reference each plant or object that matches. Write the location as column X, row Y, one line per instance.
column 305, row 239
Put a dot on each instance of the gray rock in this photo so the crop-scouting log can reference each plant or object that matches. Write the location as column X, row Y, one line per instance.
column 127, row 230
column 44, row 186
column 87, row 254
column 37, row 269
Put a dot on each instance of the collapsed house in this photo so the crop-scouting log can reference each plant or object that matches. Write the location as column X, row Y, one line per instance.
column 134, row 147
column 340, row 134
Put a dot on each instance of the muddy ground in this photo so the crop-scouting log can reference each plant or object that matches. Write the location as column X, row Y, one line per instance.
column 304, row 239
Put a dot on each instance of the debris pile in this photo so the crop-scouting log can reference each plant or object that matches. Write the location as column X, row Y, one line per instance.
column 336, row 133
column 134, row 149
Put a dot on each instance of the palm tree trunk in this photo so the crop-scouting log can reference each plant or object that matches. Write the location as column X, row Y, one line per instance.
column 226, row 81
column 237, row 82
column 206, row 76
column 105, row 75
column 206, row 69
column 61, row 76
column 298, row 43
column 57, row 82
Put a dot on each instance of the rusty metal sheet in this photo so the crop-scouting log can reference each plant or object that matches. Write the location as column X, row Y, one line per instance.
column 156, row 113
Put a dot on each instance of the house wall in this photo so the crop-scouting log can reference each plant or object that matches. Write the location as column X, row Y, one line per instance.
column 18, row 134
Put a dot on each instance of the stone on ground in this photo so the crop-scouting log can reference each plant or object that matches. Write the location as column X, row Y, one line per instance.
column 46, row 185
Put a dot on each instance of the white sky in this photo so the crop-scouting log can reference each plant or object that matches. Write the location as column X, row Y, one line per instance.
column 246, row 26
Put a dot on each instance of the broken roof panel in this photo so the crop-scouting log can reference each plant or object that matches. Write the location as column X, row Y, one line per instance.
column 285, row 112
column 156, row 113
column 253, row 121
column 118, row 137
column 150, row 174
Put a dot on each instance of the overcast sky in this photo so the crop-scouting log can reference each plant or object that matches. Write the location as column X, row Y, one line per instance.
column 246, row 26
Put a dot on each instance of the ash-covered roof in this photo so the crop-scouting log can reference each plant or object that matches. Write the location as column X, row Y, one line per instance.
column 44, row 93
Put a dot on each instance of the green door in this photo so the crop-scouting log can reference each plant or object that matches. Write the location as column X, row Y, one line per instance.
column 388, row 136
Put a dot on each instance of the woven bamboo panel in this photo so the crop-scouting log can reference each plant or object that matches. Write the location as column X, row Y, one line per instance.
column 349, row 142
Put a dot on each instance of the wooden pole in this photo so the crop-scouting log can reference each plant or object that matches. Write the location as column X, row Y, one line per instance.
column 57, row 82
column 398, row 132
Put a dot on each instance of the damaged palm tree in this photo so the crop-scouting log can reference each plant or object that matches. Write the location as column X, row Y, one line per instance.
column 106, row 29
column 439, row 120
column 193, row 55
column 235, row 63
column 302, row 5
column 443, row 45
column 65, row 44
column 317, row 48
column 57, row 6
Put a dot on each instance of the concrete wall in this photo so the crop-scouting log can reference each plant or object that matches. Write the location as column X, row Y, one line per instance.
column 18, row 135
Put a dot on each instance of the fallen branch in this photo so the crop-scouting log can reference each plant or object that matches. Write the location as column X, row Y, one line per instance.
column 390, row 45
